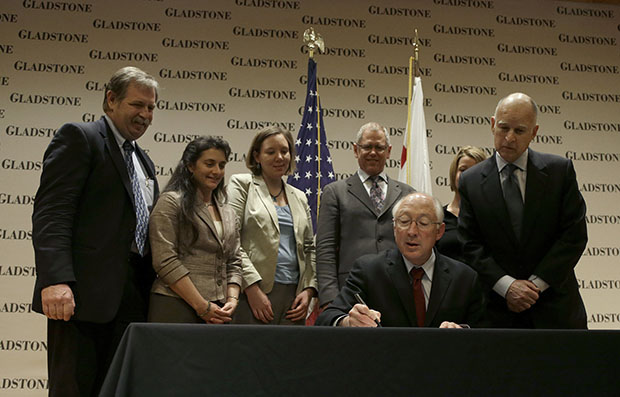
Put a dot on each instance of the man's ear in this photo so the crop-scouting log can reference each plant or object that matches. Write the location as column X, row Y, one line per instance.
column 441, row 231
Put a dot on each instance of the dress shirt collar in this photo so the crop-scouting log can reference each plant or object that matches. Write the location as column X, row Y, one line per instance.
column 117, row 135
column 521, row 162
column 364, row 176
column 428, row 266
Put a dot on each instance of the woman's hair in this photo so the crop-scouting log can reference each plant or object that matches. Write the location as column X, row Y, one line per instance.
column 466, row 151
column 257, row 142
column 182, row 180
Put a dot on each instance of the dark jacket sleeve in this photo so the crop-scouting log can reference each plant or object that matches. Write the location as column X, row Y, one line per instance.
column 66, row 165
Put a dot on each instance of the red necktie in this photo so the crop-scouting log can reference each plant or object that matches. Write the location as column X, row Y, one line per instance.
column 418, row 295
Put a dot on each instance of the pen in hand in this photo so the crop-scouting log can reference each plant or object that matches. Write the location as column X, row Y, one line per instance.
column 361, row 301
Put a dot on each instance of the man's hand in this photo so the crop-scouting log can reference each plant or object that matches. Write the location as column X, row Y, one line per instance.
column 58, row 302
column 361, row 316
column 521, row 295
column 449, row 324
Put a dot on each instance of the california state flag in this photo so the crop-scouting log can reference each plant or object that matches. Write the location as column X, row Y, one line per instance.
column 415, row 167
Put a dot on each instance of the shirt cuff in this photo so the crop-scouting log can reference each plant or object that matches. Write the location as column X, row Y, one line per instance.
column 502, row 285
column 539, row 282
column 337, row 321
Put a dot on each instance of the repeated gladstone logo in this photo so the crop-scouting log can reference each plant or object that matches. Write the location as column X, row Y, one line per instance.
column 28, row 131
column 15, row 234
column 601, row 219
column 20, row 165
column 602, row 251
column 23, row 345
column 58, row 6
column 17, row 271
column 16, row 307
column 23, row 384
column 16, row 199
column 603, row 318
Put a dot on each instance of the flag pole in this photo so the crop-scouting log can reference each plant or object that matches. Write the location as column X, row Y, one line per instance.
column 414, row 71
column 416, row 54
column 314, row 41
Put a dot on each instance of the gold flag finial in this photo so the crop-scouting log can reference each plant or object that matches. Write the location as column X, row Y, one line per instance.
column 416, row 55
column 313, row 41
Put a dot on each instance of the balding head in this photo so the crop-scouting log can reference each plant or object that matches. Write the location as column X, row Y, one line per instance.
column 514, row 125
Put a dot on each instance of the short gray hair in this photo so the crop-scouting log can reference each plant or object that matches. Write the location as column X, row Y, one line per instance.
column 436, row 204
column 372, row 126
column 121, row 79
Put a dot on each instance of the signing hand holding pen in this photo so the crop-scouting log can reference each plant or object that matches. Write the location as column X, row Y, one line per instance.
column 362, row 316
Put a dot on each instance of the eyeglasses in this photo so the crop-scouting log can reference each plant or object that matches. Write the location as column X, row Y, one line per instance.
column 378, row 148
column 423, row 223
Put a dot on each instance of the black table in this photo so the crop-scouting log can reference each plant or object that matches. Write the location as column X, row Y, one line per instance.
column 200, row 360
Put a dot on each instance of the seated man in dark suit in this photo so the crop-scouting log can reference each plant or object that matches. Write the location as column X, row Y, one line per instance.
column 412, row 286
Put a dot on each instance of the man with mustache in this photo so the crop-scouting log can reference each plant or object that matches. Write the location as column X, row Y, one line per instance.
column 522, row 221
column 89, row 231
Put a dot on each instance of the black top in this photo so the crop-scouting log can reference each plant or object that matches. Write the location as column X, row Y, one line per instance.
column 450, row 244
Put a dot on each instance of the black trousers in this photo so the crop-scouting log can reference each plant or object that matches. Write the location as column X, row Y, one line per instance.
column 79, row 352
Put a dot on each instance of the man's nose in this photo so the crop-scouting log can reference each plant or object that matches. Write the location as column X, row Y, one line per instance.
column 413, row 229
column 146, row 112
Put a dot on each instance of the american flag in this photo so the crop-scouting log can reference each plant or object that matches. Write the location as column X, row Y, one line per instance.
column 314, row 168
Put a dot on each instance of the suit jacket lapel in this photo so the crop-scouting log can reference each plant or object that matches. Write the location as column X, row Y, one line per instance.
column 148, row 166
column 535, row 188
column 441, row 283
column 492, row 190
column 265, row 198
column 393, row 193
column 357, row 189
column 398, row 273
column 297, row 210
column 116, row 155
column 203, row 213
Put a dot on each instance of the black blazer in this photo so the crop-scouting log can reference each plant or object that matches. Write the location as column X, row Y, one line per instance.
column 383, row 283
column 84, row 220
column 553, row 238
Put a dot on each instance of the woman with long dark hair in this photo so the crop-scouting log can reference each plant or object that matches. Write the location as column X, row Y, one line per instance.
column 195, row 241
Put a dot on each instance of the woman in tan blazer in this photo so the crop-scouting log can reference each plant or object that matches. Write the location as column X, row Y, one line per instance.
column 279, row 272
column 195, row 241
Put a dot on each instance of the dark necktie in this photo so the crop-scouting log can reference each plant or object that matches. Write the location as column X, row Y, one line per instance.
column 376, row 193
column 513, row 198
column 142, row 214
column 418, row 295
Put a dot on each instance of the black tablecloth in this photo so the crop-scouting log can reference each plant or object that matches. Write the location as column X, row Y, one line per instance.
column 199, row 360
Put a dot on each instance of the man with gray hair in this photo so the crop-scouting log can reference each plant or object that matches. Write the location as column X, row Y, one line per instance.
column 413, row 285
column 354, row 216
column 522, row 221
column 89, row 231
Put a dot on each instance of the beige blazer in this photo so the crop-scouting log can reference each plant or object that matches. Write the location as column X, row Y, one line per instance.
column 211, row 262
column 260, row 232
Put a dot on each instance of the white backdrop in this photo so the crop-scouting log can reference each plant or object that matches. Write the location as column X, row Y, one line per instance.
column 228, row 67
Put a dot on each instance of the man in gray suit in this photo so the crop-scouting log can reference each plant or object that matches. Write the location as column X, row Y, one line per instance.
column 355, row 214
